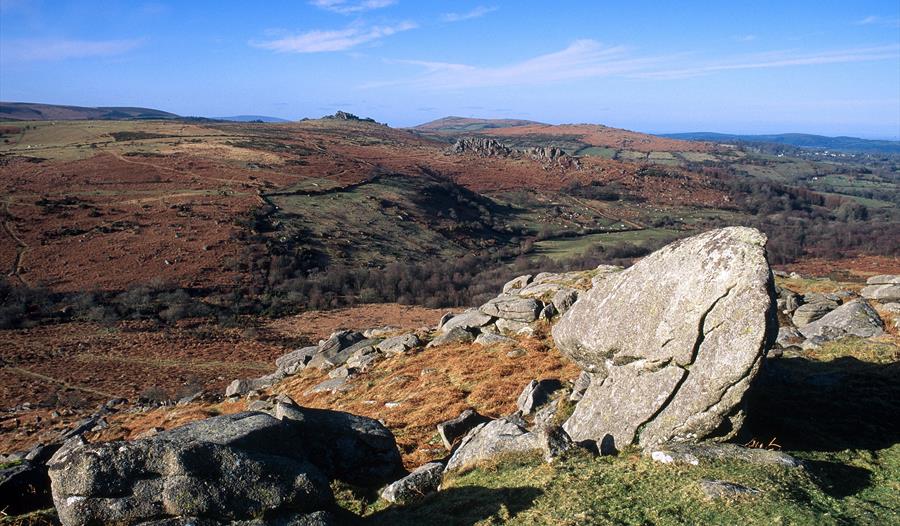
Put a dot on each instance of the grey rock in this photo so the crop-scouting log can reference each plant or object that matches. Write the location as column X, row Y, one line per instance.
column 548, row 312
column 452, row 430
column 516, row 283
column 344, row 446
column 883, row 293
column 563, row 299
column 516, row 353
column 580, row 386
column 788, row 300
column 380, row 332
column 892, row 308
column 399, row 344
column 242, row 387
column 444, row 319
column 490, row 440
column 423, row 481
column 536, row 394
column 810, row 312
column 788, row 337
column 338, row 355
column 225, row 468
column 694, row 453
column 470, row 320
column 673, row 341
column 554, row 442
column 722, row 489
column 511, row 327
column 856, row 318
column 884, row 279
column 513, row 308
column 488, row 339
column 295, row 360
column 457, row 335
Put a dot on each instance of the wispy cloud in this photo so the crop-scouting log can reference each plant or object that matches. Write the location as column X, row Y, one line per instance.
column 779, row 59
column 591, row 59
column 478, row 12
column 744, row 38
column 30, row 50
column 345, row 7
column 874, row 20
column 319, row 41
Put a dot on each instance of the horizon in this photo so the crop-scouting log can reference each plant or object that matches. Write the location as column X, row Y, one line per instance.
column 764, row 68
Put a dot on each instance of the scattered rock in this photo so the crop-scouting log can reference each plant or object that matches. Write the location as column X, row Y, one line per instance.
column 516, row 353
column 856, row 318
column 884, row 279
column 337, row 355
column 810, row 312
column 295, row 360
column 399, row 344
column 513, row 308
column 516, row 283
column 884, row 293
column 452, row 430
column 456, row 335
column 425, row 480
column 707, row 313
column 514, row 327
column 490, row 440
column 380, row 332
column 488, row 339
column 332, row 385
column 469, row 320
column 536, row 394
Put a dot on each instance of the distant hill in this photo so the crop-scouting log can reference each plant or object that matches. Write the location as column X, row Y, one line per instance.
column 29, row 111
column 800, row 140
column 251, row 118
column 464, row 124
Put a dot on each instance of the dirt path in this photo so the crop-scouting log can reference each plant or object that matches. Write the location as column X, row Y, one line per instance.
column 603, row 213
column 183, row 174
column 21, row 245
column 32, row 374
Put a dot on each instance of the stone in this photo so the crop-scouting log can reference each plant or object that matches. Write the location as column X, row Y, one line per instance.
column 554, row 442
column 891, row 308
column 296, row 360
column 487, row 339
column 380, row 332
column 423, row 481
column 810, row 312
column 338, row 355
column 673, row 342
column 548, row 312
column 456, row 335
column 563, row 300
column 399, row 344
column 344, row 446
column 516, row 353
column 516, row 283
column 536, row 394
column 694, row 453
column 789, row 337
column 226, row 468
column 444, row 319
column 513, row 308
column 511, row 327
column 884, row 279
column 332, row 385
column 580, row 386
column 490, row 440
column 470, row 320
column 452, row 430
column 722, row 489
column 856, row 318
column 884, row 293
column 789, row 300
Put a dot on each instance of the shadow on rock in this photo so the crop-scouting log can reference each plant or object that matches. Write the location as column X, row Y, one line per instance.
column 458, row 507
column 825, row 406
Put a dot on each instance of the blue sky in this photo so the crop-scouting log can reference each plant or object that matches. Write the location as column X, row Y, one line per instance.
column 830, row 67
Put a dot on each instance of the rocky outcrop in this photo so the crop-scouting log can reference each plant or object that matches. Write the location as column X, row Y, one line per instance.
column 856, row 318
column 224, row 470
column 550, row 156
column 482, row 147
column 884, row 288
column 490, row 440
column 672, row 342
column 345, row 116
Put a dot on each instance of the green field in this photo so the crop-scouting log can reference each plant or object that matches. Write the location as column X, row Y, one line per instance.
column 565, row 248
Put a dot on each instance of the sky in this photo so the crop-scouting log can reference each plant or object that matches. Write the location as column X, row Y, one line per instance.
column 826, row 67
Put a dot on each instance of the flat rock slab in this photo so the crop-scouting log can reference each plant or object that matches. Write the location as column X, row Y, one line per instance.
column 882, row 292
column 673, row 342
column 695, row 453
column 425, row 480
column 487, row 441
column 856, row 318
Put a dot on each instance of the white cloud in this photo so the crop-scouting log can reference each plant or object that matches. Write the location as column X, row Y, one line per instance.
column 478, row 12
column 29, row 50
column 344, row 7
column 590, row 59
column 779, row 59
column 874, row 20
column 318, row 41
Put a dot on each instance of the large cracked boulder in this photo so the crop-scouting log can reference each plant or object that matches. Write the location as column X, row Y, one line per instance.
column 673, row 342
column 227, row 468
